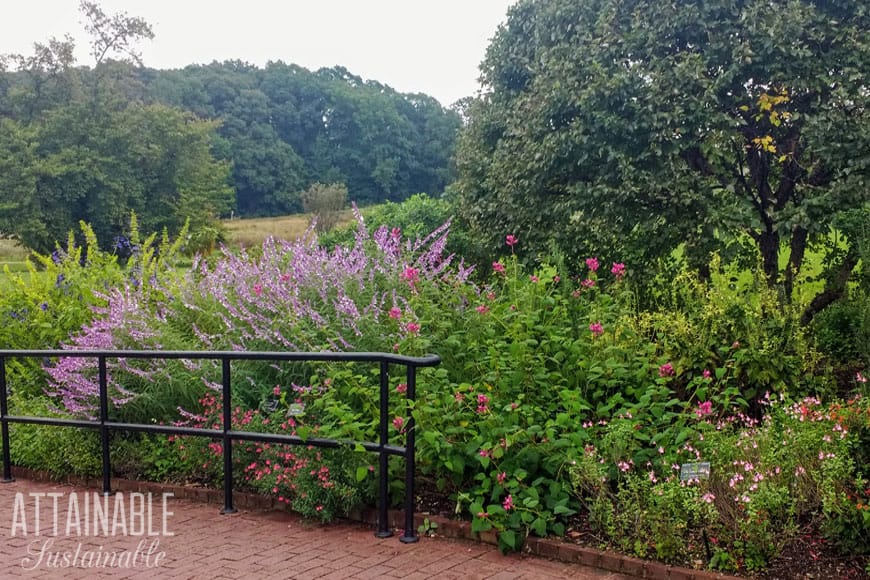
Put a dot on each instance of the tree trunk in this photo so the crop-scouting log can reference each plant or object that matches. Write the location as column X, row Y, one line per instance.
column 768, row 244
column 795, row 259
column 834, row 289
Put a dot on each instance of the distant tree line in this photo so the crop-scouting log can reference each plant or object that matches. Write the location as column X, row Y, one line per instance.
column 96, row 142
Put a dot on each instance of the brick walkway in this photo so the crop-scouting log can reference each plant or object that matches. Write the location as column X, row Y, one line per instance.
column 205, row 544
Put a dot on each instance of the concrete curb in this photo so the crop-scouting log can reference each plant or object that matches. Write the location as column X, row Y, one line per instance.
column 448, row 528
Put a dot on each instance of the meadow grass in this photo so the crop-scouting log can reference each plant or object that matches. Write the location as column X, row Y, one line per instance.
column 11, row 251
column 251, row 232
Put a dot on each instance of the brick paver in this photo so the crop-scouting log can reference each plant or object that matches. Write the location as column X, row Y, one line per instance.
column 206, row 544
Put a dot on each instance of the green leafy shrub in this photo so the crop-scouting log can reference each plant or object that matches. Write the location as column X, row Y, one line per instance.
column 57, row 450
column 842, row 331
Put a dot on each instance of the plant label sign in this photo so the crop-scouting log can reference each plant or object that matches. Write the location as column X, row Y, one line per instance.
column 690, row 471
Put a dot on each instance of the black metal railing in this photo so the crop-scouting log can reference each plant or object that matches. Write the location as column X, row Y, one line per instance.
column 226, row 434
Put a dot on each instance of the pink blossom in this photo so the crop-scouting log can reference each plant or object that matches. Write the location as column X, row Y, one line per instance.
column 860, row 378
column 592, row 264
column 401, row 388
column 398, row 423
column 706, row 374
column 411, row 275
column 587, row 283
column 596, row 329
column 483, row 309
column 508, row 503
column 498, row 267
column 623, row 466
column 501, row 477
column 258, row 289
column 666, row 370
column 618, row 270
column 412, row 328
column 704, row 408
column 395, row 313
column 708, row 497
column 277, row 390
column 485, row 453
column 533, row 278
column 395, row 233
column 511, row 240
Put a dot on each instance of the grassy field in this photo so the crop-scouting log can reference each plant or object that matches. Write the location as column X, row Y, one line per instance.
column 252, row 231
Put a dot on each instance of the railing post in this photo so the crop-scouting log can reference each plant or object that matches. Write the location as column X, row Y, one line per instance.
column 227, row 441
column 4, row 425
column 383, row 459
column 410, row 534
column 104, row 428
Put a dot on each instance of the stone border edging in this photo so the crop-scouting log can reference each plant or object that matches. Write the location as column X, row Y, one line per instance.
column 448, row 528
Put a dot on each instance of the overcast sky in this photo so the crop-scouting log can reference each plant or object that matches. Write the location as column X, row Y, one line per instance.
column 428, row 46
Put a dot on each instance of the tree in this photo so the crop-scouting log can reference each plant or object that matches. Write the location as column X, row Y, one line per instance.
column 325, row 202
column 635, row 125
column 98, row 155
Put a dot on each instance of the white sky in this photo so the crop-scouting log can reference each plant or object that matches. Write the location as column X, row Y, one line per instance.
column 428, row 46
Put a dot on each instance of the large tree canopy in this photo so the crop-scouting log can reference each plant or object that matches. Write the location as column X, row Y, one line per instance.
column 618, row 124
column 287, row 127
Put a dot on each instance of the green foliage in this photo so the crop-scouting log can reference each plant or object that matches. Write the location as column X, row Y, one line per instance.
column 57, row 450
column 843, row 331
column 735, row 327
column 632, row 128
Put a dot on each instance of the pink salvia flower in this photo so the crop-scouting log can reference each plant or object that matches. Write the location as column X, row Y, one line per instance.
column 511, row 240
column 411, row 275
column 395, row 313
column 498, row 267
column 618, row 270
column 412, row 328
column 592, row 264
column 596, row 329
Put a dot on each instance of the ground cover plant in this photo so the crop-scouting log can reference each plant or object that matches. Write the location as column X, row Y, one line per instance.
column 559, row 400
